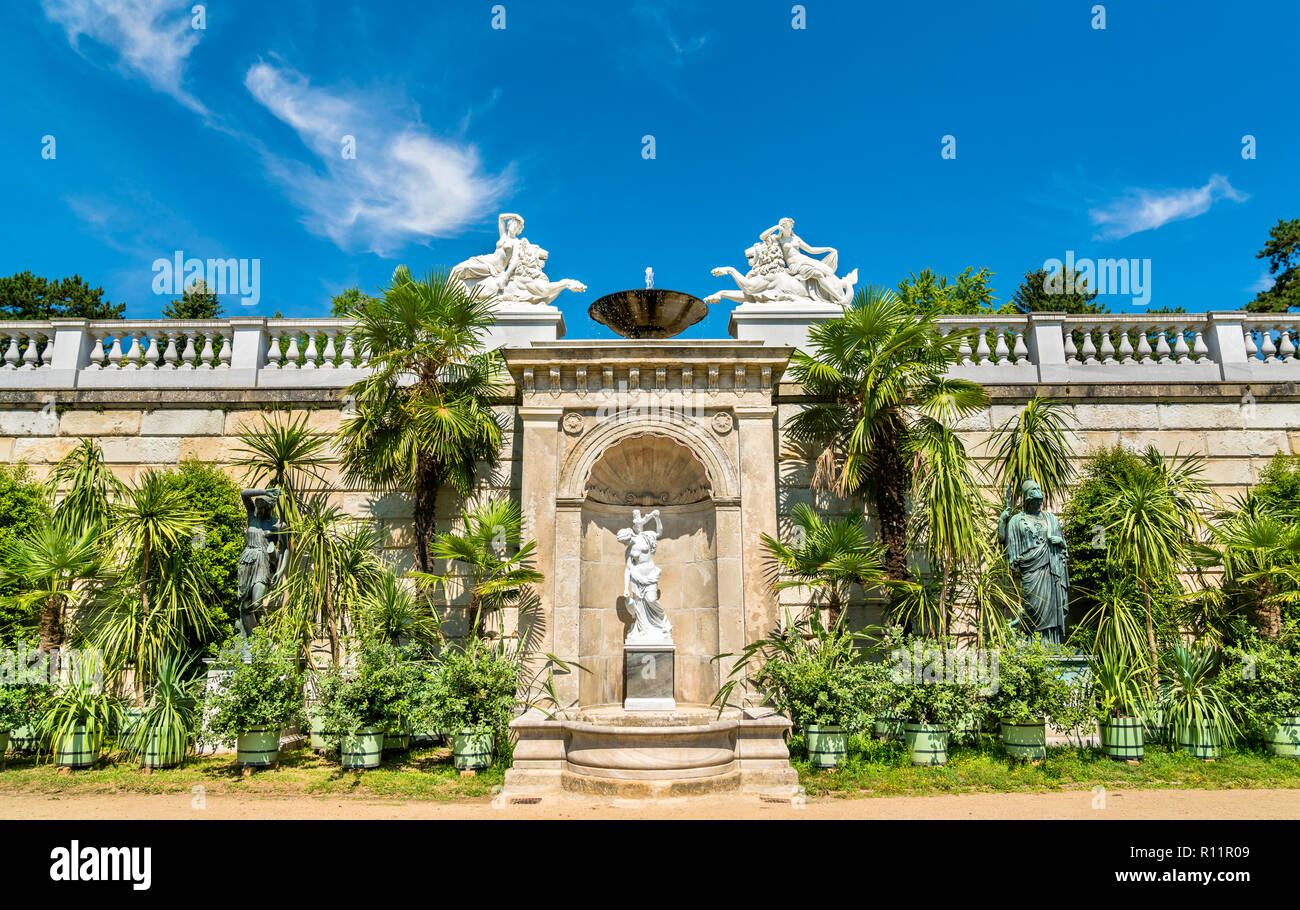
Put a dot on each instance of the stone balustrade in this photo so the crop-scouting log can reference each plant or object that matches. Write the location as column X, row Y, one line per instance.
column 321, row 353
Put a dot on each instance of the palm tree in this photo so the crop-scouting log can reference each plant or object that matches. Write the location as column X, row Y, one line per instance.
column 1148, row 539
column 389, row 615
column 869, row 372
column 1257, row 549
column 157, row 598
column 285, row 455
column 950, row 514
column 51, row 566
column 423, row 414
column 828, row 556
column 1034, row 444
column 89, row 488
column 488, row 563
column 333, row 566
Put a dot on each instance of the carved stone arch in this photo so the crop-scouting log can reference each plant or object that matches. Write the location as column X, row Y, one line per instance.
column 577, row 465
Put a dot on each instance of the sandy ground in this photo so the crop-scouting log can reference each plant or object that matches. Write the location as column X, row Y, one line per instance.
column 1118, row 804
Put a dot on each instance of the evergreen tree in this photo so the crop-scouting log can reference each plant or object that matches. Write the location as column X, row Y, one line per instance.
column 27, row 296
column 196, row 302
column 1283, row 254
column 1040, row 292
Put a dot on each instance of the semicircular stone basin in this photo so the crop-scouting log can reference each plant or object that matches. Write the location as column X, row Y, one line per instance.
column 686, row 744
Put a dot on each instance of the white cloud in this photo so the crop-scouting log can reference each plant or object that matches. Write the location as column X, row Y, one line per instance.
column 152, row 38
column 1145, row 210
column 1263, row 283
column 404, row 182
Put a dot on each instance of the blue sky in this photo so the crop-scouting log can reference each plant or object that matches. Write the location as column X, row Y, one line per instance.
column 225, row 141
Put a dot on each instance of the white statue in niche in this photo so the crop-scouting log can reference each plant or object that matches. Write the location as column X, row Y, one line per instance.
column 782, row 267
column 513, row 272
column 641, row 582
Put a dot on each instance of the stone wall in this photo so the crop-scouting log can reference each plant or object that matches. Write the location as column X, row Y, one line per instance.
column 139, row 431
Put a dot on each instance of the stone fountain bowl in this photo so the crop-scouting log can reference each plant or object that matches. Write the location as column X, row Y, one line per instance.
column 648, row 312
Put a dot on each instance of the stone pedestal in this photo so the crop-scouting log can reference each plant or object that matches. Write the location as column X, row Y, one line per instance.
column 782, row 323
column 648, row 678
column 520, row 324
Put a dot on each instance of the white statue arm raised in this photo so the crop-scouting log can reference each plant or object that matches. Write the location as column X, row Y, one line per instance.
column 503, row 220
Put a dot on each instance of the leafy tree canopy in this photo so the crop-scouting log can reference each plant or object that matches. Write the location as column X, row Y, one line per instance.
column 347, row 302
column 27, row 296
column 1283, row 254
column 967, row 294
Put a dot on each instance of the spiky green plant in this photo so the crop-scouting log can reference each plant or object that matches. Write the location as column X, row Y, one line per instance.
column 1191, row 695
column 1034, row 444
column 828, row 556
column 157, row 599
column 283, row 454
column 88, row 486
column 488, row 563
column 164, row 733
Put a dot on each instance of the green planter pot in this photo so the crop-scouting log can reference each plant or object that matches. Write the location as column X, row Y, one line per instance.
column 76, row 750
column 471, row 750
column 321, row 739
column 1026, row 742
column 155, row 756
column 24, row 739
column 1199, row 740
column 1122, row 738
column 827, row 744
column 259, row 747
column 397, row 742
column 889, row 729
column 1284, row 737
column 131, row 720
column 363, row 749
column 927, row 743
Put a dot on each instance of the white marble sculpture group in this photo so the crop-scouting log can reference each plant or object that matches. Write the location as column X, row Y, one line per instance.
column 782, row 268
column 514, row 271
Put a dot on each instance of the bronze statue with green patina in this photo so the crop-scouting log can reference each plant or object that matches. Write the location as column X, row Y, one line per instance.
column 262, row 562
column 1039, row 559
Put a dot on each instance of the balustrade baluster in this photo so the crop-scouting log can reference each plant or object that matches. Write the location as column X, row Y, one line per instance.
column 273, row 351
column 1266, row 346
column 1285, row 346
column 1107, row 347
column 309, row 355
column 115, row 354
column 1089, row 348
column 12, row 355
column 1200, row 350
column 291, row 356
column 189, row 355
column 1180, row 346
column 170, row 355
column 209, row 353
column 29, row 352
column 1071, row 351
column 349, row 353
column 1162, row 346
column 227, row 349
column 330, row 355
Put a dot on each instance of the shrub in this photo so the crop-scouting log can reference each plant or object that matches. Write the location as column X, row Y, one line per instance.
column 1279, row 486
column 262, row 689
column 932, row 685
column 471, row 688
column 1262, row 679
column 1031, row 686
column 213, row 554
column 24, row 508
column 377, row 692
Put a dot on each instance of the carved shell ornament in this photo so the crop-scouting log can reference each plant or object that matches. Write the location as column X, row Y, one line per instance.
column 722, row 423
column 574, row 423
column 649, row 471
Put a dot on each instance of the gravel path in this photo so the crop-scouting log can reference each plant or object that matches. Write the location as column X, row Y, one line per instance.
column 1123, row 804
